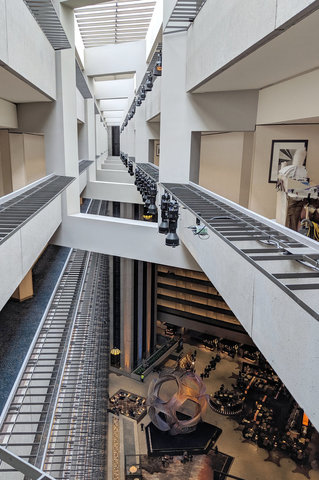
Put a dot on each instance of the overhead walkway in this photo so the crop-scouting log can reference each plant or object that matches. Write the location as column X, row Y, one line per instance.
column 16, row 210
column 22, row 237
column 150, row 169
column 269, row 277
column 113, row 183
column 84, row 164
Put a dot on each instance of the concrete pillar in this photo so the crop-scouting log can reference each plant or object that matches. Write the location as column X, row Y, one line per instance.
column 25, row 289
column 131, row 137
column 175, row 129
column 127, row 314
column 109, row 139
column 144, row 133
column 86, row 138
column 149, row 302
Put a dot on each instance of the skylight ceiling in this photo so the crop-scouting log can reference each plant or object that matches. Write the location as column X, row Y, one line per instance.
column 114, row 22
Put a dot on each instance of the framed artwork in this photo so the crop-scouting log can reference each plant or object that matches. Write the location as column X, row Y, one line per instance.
column 283, row 151
column 157, row 149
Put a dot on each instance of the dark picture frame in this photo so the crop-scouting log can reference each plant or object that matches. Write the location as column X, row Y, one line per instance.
column 283, row 151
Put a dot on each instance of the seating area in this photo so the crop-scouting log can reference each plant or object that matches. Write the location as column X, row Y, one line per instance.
column 128, row 404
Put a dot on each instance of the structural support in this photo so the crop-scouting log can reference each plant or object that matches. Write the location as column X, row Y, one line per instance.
column 22, row 466
column 25, row 289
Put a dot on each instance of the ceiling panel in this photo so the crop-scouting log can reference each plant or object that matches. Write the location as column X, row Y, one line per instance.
column 114, row 22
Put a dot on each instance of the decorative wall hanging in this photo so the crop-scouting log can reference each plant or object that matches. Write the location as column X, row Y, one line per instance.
column 283, row 151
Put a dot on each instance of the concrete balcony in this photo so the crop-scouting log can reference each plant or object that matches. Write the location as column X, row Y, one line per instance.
column 28, row 219
column 251, row 44
column 26, row 52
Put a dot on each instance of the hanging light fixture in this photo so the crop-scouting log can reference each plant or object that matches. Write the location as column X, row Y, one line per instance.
column 163, row 227
column 130, row 168
column 149, row 82
column 157, row 70
column 172, row 239
column 142, row 94
column 152, row 209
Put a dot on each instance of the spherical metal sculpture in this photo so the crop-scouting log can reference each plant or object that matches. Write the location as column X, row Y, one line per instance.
column 163, row 413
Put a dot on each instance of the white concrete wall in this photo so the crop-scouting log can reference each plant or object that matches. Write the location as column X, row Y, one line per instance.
column 80, row 107
column 25, row 48
column 86, row 136
column 293, row 100
column 20, row 251
column 101, row 136
column 222, row 165
column 8, row 114
column 289, row 9
column 153, row 100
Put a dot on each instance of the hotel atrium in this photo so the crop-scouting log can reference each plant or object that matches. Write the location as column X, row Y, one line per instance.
column 159, row 229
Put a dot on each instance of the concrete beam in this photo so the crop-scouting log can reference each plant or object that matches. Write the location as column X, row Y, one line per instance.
column 115, row 176
column 114, row 89
column 116, row 59
column 114, row 104
column 83, row 180
column 113, row 192
column 113, row 166
column 123, row 238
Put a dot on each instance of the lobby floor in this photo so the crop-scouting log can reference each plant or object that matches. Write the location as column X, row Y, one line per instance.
column 250, row 461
